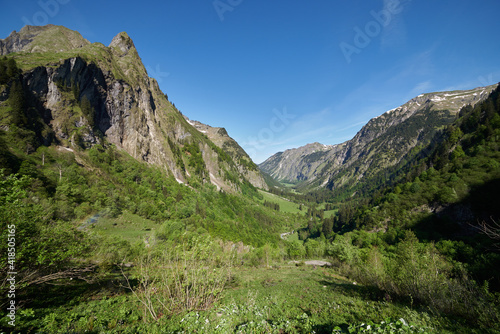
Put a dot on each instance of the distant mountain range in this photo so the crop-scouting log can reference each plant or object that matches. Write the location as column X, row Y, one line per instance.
column 385, row 142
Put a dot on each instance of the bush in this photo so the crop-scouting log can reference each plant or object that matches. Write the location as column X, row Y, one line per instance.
column 185, row 277
column 343, row 250
column 296, row 249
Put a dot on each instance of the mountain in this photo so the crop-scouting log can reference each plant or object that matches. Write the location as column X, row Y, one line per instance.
column 221, row 138
column 385, row 142
column 82, row 94
column 288, row 166
column 447, row 191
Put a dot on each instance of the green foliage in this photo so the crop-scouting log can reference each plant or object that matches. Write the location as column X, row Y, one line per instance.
column 17, row 103
column 8, row 70
column 419, row 274
column 296, row 249
column 195, row 159
column 343, row 250
column 107, row 181
column 87, row 110
column 177, row 154
column 315, row 248
column 42, row 247
column 388, row 326
column 271, row 205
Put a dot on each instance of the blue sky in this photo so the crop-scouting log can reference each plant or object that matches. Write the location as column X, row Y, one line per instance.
column 278, row 74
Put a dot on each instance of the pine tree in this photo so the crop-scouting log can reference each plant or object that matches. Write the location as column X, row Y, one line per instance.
column 87, row 110
column 327, row 227
column 16, row 101
column 11, row 68
column 3, row 71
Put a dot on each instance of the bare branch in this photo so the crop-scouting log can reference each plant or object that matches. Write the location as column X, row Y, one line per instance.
column 491, row 230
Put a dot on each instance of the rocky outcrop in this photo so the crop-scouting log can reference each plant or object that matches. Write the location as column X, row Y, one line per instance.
column 296, row 164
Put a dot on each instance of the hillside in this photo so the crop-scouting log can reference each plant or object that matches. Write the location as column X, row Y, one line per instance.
column 384, row 143
column 448, row 190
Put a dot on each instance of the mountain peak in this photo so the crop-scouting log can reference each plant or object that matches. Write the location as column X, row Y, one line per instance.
column 122, row 43
column 123, row 104
column 42, row 39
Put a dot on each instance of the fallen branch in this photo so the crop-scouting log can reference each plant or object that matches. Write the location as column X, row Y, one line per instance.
column 74, row 273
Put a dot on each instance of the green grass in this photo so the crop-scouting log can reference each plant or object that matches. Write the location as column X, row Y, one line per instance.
column 282, row 299
column 303, row 299
column 93, row 52
column 329, row 213
column 5, row 114
column 288, row 185
column 128, row 226
column 285, row 205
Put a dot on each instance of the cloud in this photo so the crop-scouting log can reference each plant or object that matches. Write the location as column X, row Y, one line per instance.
column 394, row 33
column 420, row 88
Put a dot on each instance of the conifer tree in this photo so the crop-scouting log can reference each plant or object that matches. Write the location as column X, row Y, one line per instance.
column 16, row 101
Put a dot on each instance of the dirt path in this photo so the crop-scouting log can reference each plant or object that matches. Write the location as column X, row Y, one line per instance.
column 314, row 263
column 318, row 263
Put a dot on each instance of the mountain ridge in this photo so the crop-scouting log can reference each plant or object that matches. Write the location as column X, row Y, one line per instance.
column 411, row 125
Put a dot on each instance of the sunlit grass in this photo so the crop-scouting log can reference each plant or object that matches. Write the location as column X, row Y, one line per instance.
column 128, row 226
column 285, row 205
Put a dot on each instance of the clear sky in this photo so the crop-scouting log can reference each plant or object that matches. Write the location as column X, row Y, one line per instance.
column 281, row 74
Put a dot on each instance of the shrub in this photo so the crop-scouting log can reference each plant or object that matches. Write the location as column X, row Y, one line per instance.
column 296, row 249
column 184, row 277
column 418, row 273
column 343, row 250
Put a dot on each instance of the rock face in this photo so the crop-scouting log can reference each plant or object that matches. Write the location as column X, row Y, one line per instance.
column 383, row 142
column 220, row 137
column 297, row 164
column 90, row 93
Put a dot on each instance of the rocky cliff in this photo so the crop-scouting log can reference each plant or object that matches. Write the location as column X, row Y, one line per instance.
column 89, row 94
column 383, row 142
